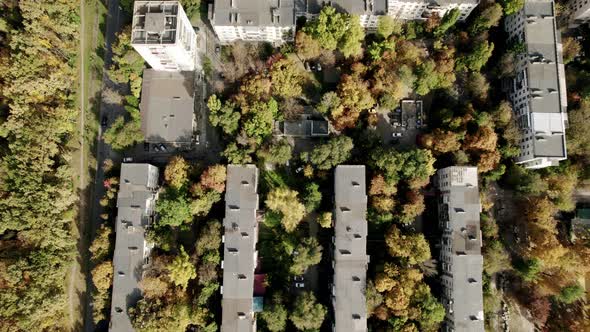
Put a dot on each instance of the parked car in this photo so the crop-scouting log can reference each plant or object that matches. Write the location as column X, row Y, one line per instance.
column 127, row 159
column 156, row 148
column 163, row 147
column 318, row 67
column 298, row 278
column 299, row 285
column 103, row 121
column 307, row 67
column 217, row 49
column 146, row 146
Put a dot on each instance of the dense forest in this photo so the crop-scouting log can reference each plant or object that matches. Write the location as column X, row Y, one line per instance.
column 38, row 45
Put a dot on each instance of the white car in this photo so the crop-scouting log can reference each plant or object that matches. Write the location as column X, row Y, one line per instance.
column 299, row 285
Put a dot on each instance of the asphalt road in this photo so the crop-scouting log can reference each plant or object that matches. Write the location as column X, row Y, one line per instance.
column 103, row 152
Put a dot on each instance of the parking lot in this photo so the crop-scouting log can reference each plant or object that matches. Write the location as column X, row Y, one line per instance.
column 401, row 125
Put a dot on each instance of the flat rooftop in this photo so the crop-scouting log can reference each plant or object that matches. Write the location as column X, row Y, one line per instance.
column 155, row 22
column 350, row 249
column 239, row 252
column 254, row 13
column 167, row 106
column 135, row 204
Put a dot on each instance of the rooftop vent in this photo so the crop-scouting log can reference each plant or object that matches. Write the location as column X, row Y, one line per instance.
column 241, row 315
column 344, row 209
column 344, row 252
column 234, row 207
column 356, row 316
column 245, row 183
column 357, row 236
column 232, row 250
column 355, row 184
column 118, row 310
column 472, row 280
column 355, row 278
column 241, row 277
column 244, row 234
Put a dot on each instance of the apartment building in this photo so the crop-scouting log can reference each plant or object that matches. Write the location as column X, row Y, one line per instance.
column 163, row 35
column 239, row 252
column 350, row 258
column 420, row 9
column 168, row 107
column 135, row 212
column 462, row 263
column 537, row 90
column 253, row 20
column 577, row 12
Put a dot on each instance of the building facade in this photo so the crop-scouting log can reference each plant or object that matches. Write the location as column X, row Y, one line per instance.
column 253, row 20
column 135, row 212
column 163, row 35
column 419, row 10
column 537, row 90
column 350, row 258
column 577, row 12
column 462, row 263
column 239, row 249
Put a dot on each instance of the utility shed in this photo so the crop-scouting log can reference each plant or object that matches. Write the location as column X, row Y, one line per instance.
column 239, row 252
column 135, row 209
column 167, row 107
column 350, row 249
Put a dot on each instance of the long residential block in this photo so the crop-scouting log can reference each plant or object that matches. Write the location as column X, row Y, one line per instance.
column 239, row 252
column 577, row 12
column 253, row 20
column 350, row 258
column 163, row 35
column 135, row 212
column 537, row 90
column 462, row 263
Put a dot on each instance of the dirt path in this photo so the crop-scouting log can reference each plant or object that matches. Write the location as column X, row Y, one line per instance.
column 74, row 270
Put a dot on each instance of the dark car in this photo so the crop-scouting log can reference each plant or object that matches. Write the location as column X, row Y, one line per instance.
column 146, row 146
column 217, row 49
column 103, row 121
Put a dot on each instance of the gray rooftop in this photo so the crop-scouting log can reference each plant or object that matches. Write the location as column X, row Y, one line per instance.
column 350, row 249
column 239, row 253
column 303, row 128
column 135, row 201
column 155, row 22
column 460, row 199
column 545, row 77
column 167, row 106
column 253, row 13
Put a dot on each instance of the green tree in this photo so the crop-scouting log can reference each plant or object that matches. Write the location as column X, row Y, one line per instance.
column 260, row 119
column 307, row 313
column 275, row 314
column 223, row 115
column 312, row 197
column 101, row 245
column 121, row 134
column 512, row 6
column 496, row 257
column 214, row 178
column 351, row 42
column 204, row 202
column 529, row 270
column 387, row 26
column 286, row 78
column 571, row 49
column 209, row 237
column 328, row 28
column 477, row 58
column 102, row 276
column 325, row 219
column 571, row 293
column 330, row 103
column 279, row 152
column 181, row 270
column 578, row 134
column 309, row 252
column 489, row 17
column 285, row 201
column 411, row 247
column 307, row 47
column 450, row 18
column 191, row 7
column 176, row 172
column 237, row 155
column 173, row 209
column 332, row 153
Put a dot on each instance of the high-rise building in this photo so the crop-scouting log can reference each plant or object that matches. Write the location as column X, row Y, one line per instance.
column 537, row 90
column 350, row 258
column 239, row 252
column 135, row 212
column 577, row 12
column 253, row 20
column 460, row 255
column 163, row 35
